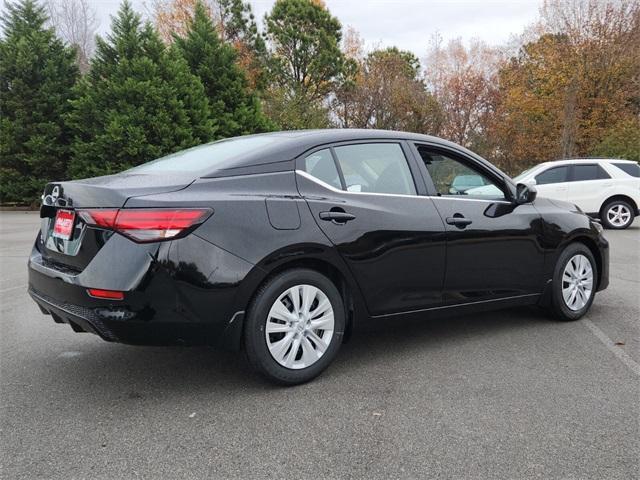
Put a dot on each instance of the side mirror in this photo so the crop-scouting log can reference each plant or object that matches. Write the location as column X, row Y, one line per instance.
column 525, row 193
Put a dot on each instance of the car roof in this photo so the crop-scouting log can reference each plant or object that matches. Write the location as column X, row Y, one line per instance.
column 587, row 160
column 293, row 143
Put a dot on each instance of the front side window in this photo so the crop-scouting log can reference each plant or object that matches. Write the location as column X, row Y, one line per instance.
column 320, row 164
column 553, row 175
column 375, row 168
column 453, row 177
column 583, row 173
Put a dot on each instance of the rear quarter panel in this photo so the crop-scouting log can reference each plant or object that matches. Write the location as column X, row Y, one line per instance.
column 259, row 218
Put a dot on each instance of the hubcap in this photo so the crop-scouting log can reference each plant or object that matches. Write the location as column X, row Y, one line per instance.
column 299, row 326
column 618, row 215
column 577, row 282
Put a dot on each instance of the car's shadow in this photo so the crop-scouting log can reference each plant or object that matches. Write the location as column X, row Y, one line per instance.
column 178, row 370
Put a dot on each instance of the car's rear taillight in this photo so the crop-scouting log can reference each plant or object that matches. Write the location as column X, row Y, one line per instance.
column 147, row 224
column 99, row 217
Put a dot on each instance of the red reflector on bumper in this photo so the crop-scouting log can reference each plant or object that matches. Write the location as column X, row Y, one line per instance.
column 106, row 294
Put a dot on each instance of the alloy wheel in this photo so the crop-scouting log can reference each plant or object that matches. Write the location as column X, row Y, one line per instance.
column 299, row 326
column 577, row 282
column 618, row 215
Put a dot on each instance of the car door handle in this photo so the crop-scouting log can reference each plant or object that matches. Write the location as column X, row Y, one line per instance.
column 459, row 221
column 337, row 216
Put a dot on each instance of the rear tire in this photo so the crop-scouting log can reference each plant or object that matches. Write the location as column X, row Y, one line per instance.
column 574, row 283
column 294, row 327
column 617, row 214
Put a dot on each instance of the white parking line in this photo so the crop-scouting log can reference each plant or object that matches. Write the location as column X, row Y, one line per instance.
column 617, row 351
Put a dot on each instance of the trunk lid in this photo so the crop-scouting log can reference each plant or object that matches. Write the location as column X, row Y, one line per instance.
column 111, row 191
column 71, row 255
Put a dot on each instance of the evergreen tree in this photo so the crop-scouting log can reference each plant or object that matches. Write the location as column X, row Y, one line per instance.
column 37, row 73
column 233, row 107
column 305, row 62
column 138, row 102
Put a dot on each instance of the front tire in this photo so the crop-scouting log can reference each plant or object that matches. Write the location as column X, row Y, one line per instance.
column 294, row 326
column 574, row 283
column 617, row 215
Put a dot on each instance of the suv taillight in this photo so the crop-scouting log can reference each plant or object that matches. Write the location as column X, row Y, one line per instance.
column 146, row 224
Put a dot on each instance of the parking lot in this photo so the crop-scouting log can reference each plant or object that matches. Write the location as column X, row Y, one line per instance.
column 509, row 394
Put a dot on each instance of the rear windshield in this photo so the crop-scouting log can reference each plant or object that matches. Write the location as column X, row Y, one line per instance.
column 205, row 158
column 632, row 169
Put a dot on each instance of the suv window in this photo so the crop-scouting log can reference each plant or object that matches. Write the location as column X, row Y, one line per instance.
column 375, row 168
column 588, row 172
column 632, row 169
column 452, row 177
column 320, row 164
column 553, row 175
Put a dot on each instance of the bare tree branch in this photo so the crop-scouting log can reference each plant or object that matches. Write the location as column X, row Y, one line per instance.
column 76, row 23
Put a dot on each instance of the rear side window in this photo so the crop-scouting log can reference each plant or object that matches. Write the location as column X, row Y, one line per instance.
column 553, row 175
column 632, row 169
column 583, row 173
column 321, row 165
column 375, row 168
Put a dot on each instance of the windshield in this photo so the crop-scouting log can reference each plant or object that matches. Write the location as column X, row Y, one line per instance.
column 206, row 157
column 522, row 175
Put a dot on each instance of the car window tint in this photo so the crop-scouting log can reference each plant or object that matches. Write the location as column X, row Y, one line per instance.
column 453, row 177
column 375, row 168
column 553, row 175
column 205, row 157
column 632, row 169
column 588, row 172
column 321, row 165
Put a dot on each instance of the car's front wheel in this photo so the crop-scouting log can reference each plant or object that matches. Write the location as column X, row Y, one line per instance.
column 574, row 282
column 617, row 215
column 294, row 326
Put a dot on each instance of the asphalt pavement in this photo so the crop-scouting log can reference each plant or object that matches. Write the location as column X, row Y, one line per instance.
column 505, row 395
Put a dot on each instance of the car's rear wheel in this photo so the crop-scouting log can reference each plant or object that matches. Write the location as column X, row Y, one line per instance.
column 294, row 326
column 617, row 214
column 574, row 282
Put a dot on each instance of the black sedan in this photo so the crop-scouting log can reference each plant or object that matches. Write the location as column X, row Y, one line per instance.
column 281, row 243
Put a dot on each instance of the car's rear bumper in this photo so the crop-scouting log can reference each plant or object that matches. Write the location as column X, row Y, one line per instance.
column 112, row 326
column 167, row 300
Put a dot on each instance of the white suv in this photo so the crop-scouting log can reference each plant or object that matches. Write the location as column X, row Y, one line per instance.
column 605, row 188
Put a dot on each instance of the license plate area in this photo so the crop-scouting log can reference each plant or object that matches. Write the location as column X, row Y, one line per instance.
column 63, row 224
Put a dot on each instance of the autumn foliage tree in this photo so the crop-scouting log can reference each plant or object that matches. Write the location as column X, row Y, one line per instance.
column 462, row 80
column 568, row 87
column 234, row 22
column 568, row 92
column 386, row 92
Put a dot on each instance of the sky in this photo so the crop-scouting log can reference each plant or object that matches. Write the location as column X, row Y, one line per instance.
column 407, row 24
